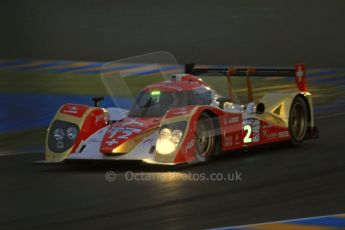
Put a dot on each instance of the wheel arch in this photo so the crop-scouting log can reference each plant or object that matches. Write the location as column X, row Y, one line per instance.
column 216, row 122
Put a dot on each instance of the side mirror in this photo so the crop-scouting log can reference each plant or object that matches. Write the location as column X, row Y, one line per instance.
column 96, row 100
column 222, row 100
column 260, row 108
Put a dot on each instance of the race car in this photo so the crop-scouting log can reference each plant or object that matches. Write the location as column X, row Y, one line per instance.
column 184, row 121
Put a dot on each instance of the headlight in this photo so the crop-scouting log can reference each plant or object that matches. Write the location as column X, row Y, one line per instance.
column 165, row 134
column 71, row 133
column 165, row 146
column 62, row 136
column 59, row 134
column 176, row 135
column 60, row 145
column 169, row 137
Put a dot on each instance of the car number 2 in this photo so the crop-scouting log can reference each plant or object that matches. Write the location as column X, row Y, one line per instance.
column 247, row 138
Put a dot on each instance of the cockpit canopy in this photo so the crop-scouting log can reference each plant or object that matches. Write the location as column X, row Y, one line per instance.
column 156, row 101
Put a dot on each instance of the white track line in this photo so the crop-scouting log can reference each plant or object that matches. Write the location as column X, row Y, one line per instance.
column 278, row 221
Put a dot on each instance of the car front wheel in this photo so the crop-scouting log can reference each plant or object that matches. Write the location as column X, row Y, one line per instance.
column 205, row 137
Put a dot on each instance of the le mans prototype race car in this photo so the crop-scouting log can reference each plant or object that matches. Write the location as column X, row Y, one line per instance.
column 183, row 120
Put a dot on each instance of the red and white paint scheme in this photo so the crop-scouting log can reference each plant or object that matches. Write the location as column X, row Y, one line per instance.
column 184, row 121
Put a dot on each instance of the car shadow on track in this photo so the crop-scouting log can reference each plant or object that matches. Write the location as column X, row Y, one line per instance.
column 123, row 166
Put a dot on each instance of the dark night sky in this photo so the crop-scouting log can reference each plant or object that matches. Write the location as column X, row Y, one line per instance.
column 267, row 32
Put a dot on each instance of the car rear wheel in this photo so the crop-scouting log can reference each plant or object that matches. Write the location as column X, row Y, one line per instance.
column 206, row 141
column 298, row 121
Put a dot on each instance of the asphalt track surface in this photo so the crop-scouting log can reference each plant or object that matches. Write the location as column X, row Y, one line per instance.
column 278, row 182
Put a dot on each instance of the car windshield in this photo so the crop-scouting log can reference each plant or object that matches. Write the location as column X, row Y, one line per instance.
column 157, row 103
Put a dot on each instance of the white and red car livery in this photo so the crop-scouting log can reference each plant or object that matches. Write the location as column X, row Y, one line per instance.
column 183, row 120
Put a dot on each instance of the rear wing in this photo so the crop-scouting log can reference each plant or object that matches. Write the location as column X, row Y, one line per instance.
column 298, row 73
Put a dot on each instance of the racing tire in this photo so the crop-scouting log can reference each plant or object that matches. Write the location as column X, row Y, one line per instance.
column 298, row 121
column 206, row 140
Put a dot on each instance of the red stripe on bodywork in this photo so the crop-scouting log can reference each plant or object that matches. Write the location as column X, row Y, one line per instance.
column 95, row 120
column 127, row 129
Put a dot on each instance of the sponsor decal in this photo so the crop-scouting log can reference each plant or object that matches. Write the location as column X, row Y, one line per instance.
column 283, row 134
column 71, row 109
column 101, row 117
column 267, row 126
column 231, row 120
column 189, row 145
column 74, row 110
column 272, row 135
